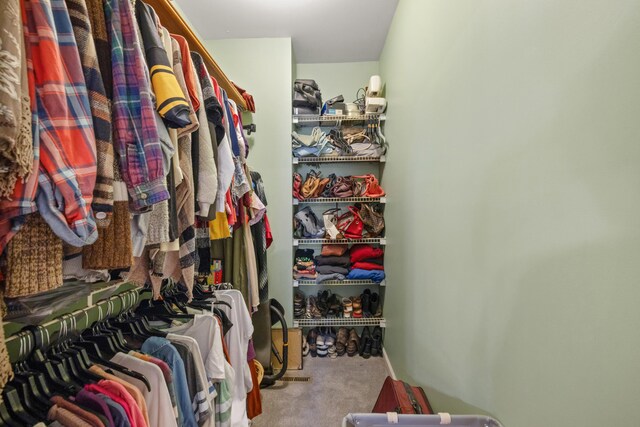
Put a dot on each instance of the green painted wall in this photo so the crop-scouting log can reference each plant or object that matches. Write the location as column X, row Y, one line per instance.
column 343, row 78
column 263, row 67
column 514, row 209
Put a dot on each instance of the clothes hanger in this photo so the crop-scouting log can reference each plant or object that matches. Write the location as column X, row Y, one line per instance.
column 93, row 350
column 16, row 410
column 27, row 389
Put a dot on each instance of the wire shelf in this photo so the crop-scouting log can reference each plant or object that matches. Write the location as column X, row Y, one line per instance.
column 332, row 200
column 337, row 159
column 340, row 321
column 379, row 241
column 345, row 282
column 311, row 119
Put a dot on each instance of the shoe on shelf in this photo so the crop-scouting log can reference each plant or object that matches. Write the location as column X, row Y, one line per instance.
column 334, row 306
column 299, row 305
column 341, row 341
column 353, row 344
column 312, row 308
column 365, row 342
column 347, row 307
column 376, row 306
column 357, row 307
column 312, row 337
column 376, row 346
column 321, row 345
column 366, row 303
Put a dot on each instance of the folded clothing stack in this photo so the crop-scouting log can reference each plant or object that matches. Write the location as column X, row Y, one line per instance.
column 304, row 267
column 332, row 267
column 367, row 263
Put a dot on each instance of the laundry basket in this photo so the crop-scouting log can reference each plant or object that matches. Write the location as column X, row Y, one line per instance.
column 393, row 419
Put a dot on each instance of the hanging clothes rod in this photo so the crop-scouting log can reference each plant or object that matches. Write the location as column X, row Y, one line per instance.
column 172, row 20
column 21, row 344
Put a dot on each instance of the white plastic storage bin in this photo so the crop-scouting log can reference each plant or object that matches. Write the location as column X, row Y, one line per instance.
column 393, row 419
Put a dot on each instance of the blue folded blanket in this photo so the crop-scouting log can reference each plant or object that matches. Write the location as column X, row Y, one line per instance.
column 373, row 275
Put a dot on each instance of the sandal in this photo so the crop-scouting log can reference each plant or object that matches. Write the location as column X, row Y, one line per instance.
column 311, row 340
column 341, row 341
column 347, row 307
column 353, row 343
column 357, row 307
column 332, row 352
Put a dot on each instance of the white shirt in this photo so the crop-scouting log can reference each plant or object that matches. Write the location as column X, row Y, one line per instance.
column 158, row 400
column 237, row 340
column 204, row 328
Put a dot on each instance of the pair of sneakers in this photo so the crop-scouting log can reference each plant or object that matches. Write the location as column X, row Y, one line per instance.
column 321, row 343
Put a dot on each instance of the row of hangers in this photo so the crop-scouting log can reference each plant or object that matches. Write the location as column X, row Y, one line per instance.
column 59, row 365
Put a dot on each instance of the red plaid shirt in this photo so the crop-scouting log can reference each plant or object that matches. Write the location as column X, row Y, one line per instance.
column 63, row 129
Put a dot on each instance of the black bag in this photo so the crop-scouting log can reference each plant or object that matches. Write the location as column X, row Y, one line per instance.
column 307, row 94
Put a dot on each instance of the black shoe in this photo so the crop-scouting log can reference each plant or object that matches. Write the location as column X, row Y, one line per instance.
column 375, row 305
column 364, row 339
column 376, row 339
column 366, row 303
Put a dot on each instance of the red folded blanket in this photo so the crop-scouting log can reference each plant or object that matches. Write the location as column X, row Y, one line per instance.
column 367, row 266
column 362, row 252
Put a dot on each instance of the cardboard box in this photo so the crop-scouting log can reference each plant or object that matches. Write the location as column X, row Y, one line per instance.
column 295, row 348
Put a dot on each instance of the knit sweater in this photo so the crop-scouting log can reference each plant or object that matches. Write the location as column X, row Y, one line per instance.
column 100, row 110
column 95, row 9
column 16, row 147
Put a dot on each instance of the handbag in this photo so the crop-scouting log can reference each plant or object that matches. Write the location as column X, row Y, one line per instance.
column 297, row 183
column 307, row 225
column 330, row 218
column 343, row 187
column 399, row 396
column 350, row 224
column 307, row 94
column 321, row 186
column 367, row 186
column 327, row 189
column 373, row 221
column 333, row 250
column 310, row 184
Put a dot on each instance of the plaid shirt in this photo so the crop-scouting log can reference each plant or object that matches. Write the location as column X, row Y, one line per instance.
column 135, row 130
column 67, row 169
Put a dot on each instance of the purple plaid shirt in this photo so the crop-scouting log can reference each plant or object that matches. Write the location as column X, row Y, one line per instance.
column 135, row 133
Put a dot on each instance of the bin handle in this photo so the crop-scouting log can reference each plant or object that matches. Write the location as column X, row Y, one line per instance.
column 445, row 418
column 392, row 417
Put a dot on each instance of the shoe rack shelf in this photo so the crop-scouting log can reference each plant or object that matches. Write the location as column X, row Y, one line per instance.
column 297, row 283
column 332, row 200
column 341, row 166
column 340, row 321
column 338, row 159
column 375, row 241
column 314, row 120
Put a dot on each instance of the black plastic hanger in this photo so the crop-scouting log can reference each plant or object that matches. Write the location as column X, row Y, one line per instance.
column 15, row 408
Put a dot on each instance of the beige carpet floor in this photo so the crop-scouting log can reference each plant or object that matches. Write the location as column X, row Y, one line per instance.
column 337, row 387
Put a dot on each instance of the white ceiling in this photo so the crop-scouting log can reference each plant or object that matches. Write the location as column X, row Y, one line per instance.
column 321, row 30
